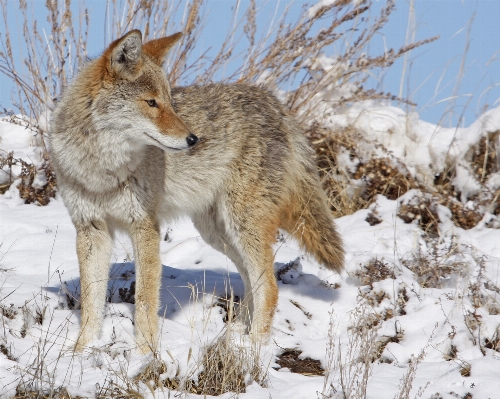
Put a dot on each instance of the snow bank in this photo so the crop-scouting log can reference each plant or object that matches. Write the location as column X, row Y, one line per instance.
column 455, row 321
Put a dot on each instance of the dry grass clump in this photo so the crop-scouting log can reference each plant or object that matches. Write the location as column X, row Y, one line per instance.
column 373, row 217
column 59, row 393
column 484, row 156
column 429, row 275
column 349, row 366
column 229, row 364
column 38, row 183
column 290, row 358
column 126, row 389
column 435, row 267
column 421, row 209
column 28, row 190
column 382, row 177
column 344, row 197
column 375, row 270
column 382, row 343
column 493, row 342
column 7, row 352
column 226, row 367
column 463, row 216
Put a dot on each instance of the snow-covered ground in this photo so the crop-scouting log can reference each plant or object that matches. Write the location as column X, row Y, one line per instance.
column 449, row 309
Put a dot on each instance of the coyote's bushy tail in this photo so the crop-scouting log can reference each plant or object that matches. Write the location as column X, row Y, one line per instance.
column 308, row 219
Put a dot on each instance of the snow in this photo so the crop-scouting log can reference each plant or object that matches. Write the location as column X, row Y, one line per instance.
column 39, row 271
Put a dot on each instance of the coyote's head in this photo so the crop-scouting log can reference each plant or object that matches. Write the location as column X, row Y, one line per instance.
column 134, row 95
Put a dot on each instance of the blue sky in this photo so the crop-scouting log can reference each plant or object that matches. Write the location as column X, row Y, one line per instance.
column 432, row 74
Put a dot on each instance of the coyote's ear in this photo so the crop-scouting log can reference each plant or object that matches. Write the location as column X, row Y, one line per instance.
column 157, row 49
column 124, row 54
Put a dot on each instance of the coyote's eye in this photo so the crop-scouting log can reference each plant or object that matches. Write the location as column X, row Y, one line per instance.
column 152, row 103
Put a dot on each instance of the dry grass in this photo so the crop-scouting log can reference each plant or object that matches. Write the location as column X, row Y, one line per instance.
column 349, row 365
column 435, row 264
column 60, row 393
column 290, row 358
column 375, row 270
column 344, row 197
column 382, row 177
column 29, row 191
column 228, row 364
column 406, row 383
column 422, row 209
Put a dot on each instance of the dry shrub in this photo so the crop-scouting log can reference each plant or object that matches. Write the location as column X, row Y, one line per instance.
column 344, row 197
column 463, row 216
column 375, row 270
column 382, row 177
column 32, row 194
column 373, row 217
column 355, row 364
column 435, row 267
column 7, row 352
column 290, row 359
column 484, row 156
column 28, row 190
column 286, row 56
column 402, row 300
column 59, row 393
column 226, row 367
column 381, row 344
column 421, row 208
column 493, row 342
column 406, row 382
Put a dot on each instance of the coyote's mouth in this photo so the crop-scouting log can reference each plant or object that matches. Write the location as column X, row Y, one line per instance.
column 163, row 146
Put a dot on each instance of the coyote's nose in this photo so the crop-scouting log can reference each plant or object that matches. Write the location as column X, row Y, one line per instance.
column 191, row 140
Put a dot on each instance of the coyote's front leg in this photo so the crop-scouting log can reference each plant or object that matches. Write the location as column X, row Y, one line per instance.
column 145, row 236
column 93, row 247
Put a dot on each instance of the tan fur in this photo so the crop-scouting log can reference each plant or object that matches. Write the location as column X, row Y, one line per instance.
column 127, row 162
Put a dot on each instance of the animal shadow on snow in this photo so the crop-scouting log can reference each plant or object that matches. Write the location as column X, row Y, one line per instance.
column 180, row 287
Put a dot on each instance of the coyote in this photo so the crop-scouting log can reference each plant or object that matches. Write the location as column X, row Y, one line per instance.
column 130, row 153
